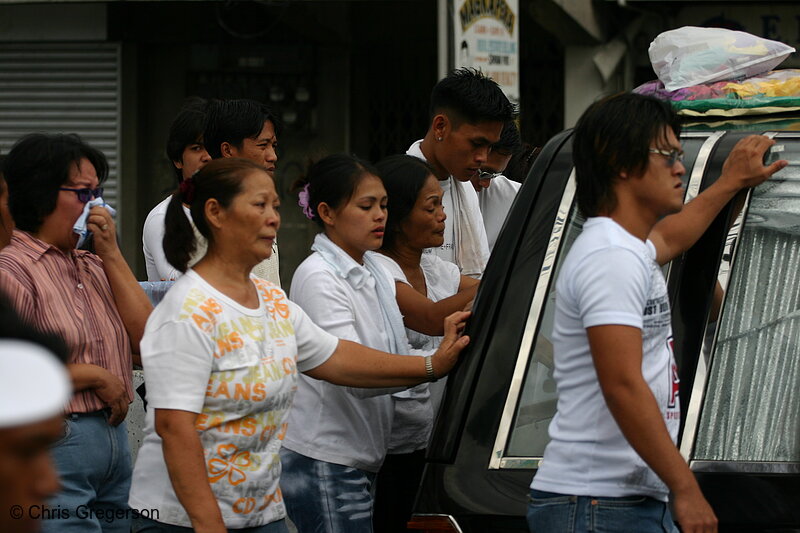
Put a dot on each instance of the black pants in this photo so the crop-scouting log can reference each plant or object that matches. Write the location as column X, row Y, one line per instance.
column 395, row 490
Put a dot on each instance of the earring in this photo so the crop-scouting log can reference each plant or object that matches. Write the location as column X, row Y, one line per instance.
column 440, row 139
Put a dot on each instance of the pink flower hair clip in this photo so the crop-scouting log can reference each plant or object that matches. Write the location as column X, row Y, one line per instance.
column 302, row 201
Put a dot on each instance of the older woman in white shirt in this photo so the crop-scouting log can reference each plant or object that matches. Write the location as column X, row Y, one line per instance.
column 428, row 289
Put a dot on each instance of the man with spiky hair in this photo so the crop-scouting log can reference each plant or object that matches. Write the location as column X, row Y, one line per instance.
column 468, row 111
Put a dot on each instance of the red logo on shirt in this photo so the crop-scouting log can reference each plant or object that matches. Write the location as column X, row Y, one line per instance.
column 675, row 380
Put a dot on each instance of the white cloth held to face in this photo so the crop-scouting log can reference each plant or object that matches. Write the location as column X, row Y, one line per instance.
column 80, row 225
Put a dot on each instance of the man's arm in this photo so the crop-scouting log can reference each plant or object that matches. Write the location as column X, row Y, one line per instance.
column 743, row 168
column 617, row 355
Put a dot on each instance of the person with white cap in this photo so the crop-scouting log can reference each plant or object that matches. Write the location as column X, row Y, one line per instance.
column 34, row 390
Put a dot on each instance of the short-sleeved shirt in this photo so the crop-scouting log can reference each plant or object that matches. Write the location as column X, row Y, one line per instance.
column 495, row 203
column 609, row 277
column 415, row 409
column 69, row 294
column 237, row 368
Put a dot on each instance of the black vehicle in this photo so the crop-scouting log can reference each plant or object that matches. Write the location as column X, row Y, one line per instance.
column 736, row 323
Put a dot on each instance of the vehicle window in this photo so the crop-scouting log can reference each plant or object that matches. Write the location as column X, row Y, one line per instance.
column 750, row 409
column 538, row 400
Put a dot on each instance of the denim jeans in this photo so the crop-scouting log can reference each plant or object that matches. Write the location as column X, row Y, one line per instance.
column 325, row 497
column 145, row 525
column 93, row 461
column 549, row 512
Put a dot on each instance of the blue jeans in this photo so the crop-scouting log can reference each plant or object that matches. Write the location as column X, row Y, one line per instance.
column 549, row 512
column 145, row 525
column 325, row 497
column 93, row 461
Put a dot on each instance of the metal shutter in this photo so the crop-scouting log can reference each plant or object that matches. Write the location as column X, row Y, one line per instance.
column 63, row 88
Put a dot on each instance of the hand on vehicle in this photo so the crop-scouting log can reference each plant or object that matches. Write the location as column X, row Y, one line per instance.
column 112, row 392
column 745, row 164
column 693, row 512
column 446, row 356
column 102, row 226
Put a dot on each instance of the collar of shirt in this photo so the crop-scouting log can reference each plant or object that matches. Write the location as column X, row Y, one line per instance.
column 345, row 266
column 36, row 248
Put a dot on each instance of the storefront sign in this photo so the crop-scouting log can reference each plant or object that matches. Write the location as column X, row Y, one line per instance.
column 486, row 37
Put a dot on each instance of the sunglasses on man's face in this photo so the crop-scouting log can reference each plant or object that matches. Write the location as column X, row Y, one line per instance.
column 673, row 156
column 84, row 195
column 485, row 175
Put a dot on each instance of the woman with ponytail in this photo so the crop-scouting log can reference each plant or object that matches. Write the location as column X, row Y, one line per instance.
column 221, row 355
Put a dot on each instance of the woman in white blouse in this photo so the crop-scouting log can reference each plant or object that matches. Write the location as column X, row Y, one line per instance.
column 221, row 355
column 428, row 289
column 338, row 436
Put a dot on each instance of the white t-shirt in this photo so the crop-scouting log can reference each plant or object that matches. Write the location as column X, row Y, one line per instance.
column 159, row 269
column 468, row 208
column 495, row 202
column 329, row 422
column 609, row 277
column 414, row 413
column 204, row 353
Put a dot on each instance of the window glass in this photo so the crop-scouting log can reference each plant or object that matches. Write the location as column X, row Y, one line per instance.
column 538, row 401
column 750, row 409
column 537, row 404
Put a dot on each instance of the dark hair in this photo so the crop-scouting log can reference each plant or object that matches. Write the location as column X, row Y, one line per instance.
column 220, row 179
column 186, row 130
column 233, row 121
column 12, row 326
column 613, row 136
column 468, row 95
column 510, row 140
column 521, row 162
column 333, row 180
column 37, row 166
column 403, row 176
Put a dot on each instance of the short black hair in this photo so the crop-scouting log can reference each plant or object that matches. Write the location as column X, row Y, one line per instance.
column 403, row 177
column 468, row 95
column 333, row 180
column 37, row 166
column 233, row 121
column 186, row 130
column 510, row 141
column 614, row 136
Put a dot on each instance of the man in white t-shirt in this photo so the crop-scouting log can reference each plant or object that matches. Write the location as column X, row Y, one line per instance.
column 188, row 155
column 467, row 111
column 612, row 457
column 496, row 192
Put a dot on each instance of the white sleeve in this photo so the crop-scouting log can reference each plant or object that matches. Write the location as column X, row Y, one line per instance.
column 177, row 358
column 611, row 287
column 314, row 344
column 158, row 268
column 327, row 305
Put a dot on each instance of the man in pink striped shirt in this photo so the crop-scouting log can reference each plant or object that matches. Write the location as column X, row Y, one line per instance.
column 93, row 302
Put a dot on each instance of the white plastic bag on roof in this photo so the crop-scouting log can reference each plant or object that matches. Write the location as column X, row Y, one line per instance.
column 690, row 56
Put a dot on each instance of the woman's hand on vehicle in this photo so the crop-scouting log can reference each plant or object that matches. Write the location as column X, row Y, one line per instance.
column 446, row 356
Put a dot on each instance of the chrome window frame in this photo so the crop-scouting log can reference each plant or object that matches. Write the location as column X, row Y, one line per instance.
column 694, row 410
column 498, row 460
